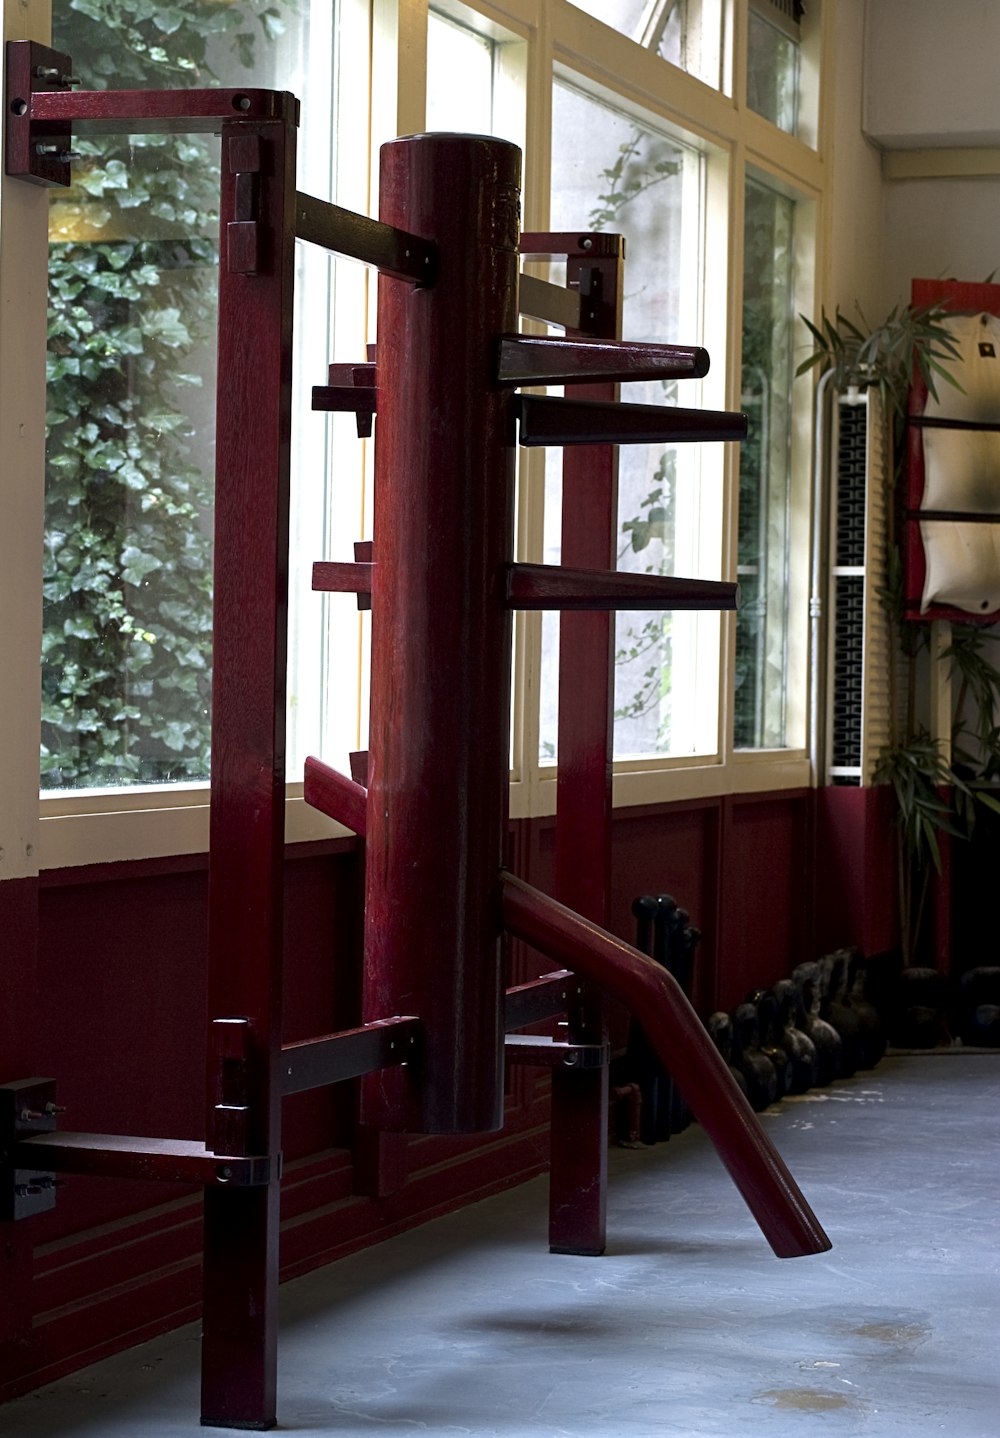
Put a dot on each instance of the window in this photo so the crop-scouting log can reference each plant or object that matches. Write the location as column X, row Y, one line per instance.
column 133, row 251
column 773, row 42
column 635, row 179
column 629, row 121
column 688, row 33
column 765, row 560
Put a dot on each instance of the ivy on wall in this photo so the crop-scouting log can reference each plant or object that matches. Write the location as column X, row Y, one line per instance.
column 126, row 660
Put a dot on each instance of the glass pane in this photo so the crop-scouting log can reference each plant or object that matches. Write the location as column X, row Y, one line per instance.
column 128, row 550
column 623, row 15
column 459, row 78
column 772, row 73
column 763, row 556
column 129, row 488
column 634, row 180
column 688, row 33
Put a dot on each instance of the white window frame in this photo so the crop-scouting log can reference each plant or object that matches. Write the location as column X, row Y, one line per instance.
column 97, row 826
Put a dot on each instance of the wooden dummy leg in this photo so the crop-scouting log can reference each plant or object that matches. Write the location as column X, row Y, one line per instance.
column 246, row 869
column 579, row 1153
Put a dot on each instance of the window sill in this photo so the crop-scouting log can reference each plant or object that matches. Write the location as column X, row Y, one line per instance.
column 104, row 826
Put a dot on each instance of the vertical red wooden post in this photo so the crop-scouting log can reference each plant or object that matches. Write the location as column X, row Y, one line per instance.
column 248, row 747
column 443, row 536
column 579, row 1152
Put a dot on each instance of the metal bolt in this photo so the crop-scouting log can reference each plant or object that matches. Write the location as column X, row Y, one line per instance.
column 49, row 152
column 586, row 242
column 224, row 1173
column 571, row 1060
column 19, row 107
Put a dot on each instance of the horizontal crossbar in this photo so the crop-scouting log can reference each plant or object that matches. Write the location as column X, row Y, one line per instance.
column 550, row 586
column 554, row 304
column 547, row 421
column 540, row 999
column 314, row 1063
column 333, row 794
column 141, row 112
column 552, row 359
column 163, row 1160
column 391, row 251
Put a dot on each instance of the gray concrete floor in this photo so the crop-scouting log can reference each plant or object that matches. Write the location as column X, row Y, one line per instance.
column 688, row 1325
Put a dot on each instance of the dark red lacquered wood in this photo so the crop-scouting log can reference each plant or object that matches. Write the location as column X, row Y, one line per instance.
column 552, row 586
column 345, row 398
column 538, row 999
column 679, row 1038
column 443, row 532
column 391, row 250
column 547, row 421
column 33, row 151
column 579, row 1142
column 248, row 780
column 158, row 1160
column 342, row 577
column 573, row 245
column 332, row 1058
column 141, row 112
column 362, row 373
column 335, row 795
column 541, row 301
column 536, row 359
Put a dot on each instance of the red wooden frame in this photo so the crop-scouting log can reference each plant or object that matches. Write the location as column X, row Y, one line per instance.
column 443, row 583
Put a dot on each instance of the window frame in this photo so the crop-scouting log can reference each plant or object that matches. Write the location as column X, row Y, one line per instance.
column 104, row 826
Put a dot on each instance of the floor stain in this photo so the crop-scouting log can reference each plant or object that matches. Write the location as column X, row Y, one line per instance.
column 893, row 1332
column 806, row 1400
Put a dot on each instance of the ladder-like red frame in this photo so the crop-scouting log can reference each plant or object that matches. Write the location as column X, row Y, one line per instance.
column 443, row 584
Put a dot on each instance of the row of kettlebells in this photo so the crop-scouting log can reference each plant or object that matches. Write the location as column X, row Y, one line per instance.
column 806, row 1031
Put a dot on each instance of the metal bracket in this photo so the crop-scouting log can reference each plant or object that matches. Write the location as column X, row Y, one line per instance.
column 37, row 151
column 27, row 1108
column 555, row 1053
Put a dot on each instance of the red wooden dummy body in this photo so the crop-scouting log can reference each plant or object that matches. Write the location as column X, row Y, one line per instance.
column 432, row 809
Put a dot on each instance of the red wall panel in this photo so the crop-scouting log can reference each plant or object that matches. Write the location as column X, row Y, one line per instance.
column 122, row 962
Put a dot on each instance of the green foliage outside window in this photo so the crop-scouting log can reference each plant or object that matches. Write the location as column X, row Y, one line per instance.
column 126, row 661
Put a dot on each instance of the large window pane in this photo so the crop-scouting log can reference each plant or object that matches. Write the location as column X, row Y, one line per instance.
column 688, row 33
column 632, row 179
column 128, row 580
column 765, row 470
